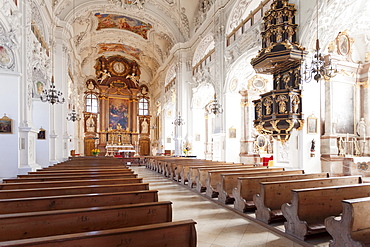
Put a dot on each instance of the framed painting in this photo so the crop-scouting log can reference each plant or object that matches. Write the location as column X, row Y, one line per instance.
column 118, row 113
column 344, row 107
column 5, row 125
column 312, row 124
column 39, row 87
column 232, row 133
column 261, row 141
column 42, row 134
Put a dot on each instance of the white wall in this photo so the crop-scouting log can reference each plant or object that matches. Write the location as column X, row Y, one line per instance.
column 232, row 110
column 41, row 119
column 9, row 104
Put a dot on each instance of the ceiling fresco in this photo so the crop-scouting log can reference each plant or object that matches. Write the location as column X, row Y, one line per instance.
column 113, row 47
column 145, row 33
column 123, row 22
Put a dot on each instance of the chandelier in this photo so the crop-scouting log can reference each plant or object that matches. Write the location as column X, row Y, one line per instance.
column 52, row 95
column 321, row 66
column 214, row 107
column 178, row 121
column 73, row 115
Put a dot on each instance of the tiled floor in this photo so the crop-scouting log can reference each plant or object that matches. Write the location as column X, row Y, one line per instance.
column 217, row 225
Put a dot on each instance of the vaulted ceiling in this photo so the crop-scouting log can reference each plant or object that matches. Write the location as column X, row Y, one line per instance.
column 144, row 32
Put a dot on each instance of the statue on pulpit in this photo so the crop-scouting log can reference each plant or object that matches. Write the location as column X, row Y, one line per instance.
column 144, row 127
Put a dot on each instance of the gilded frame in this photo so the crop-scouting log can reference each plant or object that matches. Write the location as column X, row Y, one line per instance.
column 119, row 113
column 232, row 132
column 312, row 124
column 6, row 125
column 42, row 134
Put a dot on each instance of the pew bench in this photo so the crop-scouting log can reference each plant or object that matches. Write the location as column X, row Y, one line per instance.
column 201, row 174
column 76, row 174
column 182, row 169
column 249, row 186
column 229, row 181
column 172, row 167
column 309, row 208
column 48, row 223
column 179, row 234
column 68, row 183
column 56, row 171
column 59, row 178
column 214, row 177
column 74, row 190
column 352, row 228
column 274, row 194
column 46, row 203
column 75, row 167
column 191, row 172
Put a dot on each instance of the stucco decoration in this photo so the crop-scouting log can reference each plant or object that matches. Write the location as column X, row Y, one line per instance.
column 9, row 36
column 206, row 45
column 201, row 15
column 39, row 82
column 185, row 22
column 171, row 74
column 202, row 95
column 237, row 14
column 131, row 4
column 6, row 58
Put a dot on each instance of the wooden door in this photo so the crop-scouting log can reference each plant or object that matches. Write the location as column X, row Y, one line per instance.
column 89, row 145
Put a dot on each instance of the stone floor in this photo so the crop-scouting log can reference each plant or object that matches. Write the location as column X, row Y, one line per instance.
column 217, row 225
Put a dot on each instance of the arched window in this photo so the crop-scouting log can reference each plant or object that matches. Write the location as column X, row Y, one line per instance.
column 143, row 107
column 91, row 103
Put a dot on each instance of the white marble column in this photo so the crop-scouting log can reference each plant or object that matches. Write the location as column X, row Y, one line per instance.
column 247, row 155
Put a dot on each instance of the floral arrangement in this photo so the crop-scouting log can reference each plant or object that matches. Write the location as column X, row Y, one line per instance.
column 187, row 148
column 95, row 151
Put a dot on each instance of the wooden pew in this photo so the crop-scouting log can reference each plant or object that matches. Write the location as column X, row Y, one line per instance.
column 191, row 172
column 161, row 163
column 74, row 190
column 78, row 174
column 56, row 171
column 46, row 203
column 179, row 234
column 182, row 169
column 214, row 177
column 172, row 169
column 56, row 222
column 352, row 228
column 229, row 181
column 201, row 175
column 309, row 208
column 58, row 178
column 185, row 171
column 249, row 186
column 274, row 194
column 69, row 183
column 79, row 167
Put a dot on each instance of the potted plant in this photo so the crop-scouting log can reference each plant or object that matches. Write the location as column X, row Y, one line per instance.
column 95, row 152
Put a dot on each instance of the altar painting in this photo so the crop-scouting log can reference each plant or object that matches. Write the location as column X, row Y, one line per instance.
column 123, row 22
column 343, row 108
column 118, row 113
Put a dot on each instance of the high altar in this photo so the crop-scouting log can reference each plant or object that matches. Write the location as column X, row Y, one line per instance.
column 115, row 122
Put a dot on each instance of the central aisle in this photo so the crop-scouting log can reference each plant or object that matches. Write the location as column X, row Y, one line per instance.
column 216, row 226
